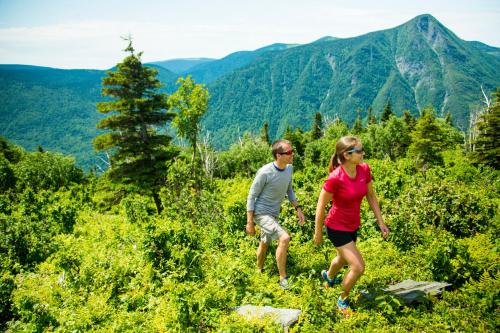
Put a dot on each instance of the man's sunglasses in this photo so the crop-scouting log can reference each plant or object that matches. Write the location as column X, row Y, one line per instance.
column 356, row 150
column 290, row 152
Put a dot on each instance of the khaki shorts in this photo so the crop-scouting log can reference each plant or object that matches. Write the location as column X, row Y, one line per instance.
column 270, row 229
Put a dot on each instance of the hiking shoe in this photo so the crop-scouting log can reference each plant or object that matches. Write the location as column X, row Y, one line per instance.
column 284, row 283
column 343, row 306
column 329, row 283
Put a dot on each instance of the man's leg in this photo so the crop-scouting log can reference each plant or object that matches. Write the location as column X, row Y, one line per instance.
column 261, row 255
column 281, row 253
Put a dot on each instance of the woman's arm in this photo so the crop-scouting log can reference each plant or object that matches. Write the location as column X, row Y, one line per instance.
column 373, row 202
column 324, row 198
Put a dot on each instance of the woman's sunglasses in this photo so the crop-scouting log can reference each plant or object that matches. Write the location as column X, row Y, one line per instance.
column 356, row 150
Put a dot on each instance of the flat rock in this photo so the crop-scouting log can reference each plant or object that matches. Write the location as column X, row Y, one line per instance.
column 411, row 291
column 284, row 317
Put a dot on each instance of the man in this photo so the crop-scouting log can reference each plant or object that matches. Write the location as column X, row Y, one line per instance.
column 272, row 182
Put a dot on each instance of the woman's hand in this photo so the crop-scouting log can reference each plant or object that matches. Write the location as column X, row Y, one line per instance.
column 318, row 237
column 384, row 229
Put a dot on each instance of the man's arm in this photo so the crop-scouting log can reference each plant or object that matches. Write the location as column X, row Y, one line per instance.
column 250, row 224
column 253, row 194
column 300, row 214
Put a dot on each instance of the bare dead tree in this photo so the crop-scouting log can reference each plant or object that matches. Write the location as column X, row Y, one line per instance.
column 207, row 156
column 474, row 118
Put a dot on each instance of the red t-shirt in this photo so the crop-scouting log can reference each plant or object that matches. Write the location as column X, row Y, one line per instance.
column 347, row 196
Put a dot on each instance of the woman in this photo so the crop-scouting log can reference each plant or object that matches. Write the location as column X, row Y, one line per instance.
column 349, row 181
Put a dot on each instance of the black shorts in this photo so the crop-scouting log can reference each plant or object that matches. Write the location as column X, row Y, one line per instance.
column 340, row 238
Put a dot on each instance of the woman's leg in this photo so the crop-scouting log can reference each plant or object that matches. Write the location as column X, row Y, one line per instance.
column 352, row 256
column 337, row 263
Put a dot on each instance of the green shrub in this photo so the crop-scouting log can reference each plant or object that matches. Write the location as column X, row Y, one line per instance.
column 48, row 171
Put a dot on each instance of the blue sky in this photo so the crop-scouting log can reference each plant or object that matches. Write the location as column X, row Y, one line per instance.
column 86, row 34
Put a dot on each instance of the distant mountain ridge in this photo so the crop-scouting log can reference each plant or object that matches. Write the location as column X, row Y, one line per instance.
column 54, row 108
column 210, row 71
column 416, row 64
column 181, row 65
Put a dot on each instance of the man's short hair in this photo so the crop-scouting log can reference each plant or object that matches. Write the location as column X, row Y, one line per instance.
column 277, row 147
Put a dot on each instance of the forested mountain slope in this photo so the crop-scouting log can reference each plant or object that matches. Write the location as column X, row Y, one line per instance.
column 417, row 64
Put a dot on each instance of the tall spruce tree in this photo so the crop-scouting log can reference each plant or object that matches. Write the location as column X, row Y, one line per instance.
column 317, row 127
column 487, row 144
column 387, row 112
column 139, row 152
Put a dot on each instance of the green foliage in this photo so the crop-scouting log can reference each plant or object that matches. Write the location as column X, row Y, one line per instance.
column 95, row 256
column 386, row 113
column 244, row 157
column 137, row 209
column 7, row 177
column 317, row 127
column 430, row 137
column 190, row 101
column 444, row 204
column 487, row 146
column 264, row 133
column 388, row 139
column 139, row 151
column 47, row 171
column 358, row 125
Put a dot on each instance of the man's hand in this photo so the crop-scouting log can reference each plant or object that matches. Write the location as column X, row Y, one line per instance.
column 384, row 230
column 250, row 228
column 300, row 216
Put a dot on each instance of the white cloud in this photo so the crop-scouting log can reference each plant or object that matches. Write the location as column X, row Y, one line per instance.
column 97, row 43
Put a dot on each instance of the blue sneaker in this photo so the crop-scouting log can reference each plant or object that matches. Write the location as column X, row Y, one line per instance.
column 343, row 306
column 330, row 282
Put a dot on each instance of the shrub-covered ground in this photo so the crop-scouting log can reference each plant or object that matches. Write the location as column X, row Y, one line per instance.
column 79, row 253
column 116, row 266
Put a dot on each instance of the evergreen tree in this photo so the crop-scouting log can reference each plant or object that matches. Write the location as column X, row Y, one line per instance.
column 448, row 119
column 358, row 125
column 139, row 152
column 298, row 139
column 317, row 127
column 190, row 101
column 487, row 144
column 387, row 112
column 428, row 140
column 409, row 119
column 264, row 133
column 370, row 118
column 9, row 151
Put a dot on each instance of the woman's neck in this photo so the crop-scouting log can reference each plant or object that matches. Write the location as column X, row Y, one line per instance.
column 350, row 168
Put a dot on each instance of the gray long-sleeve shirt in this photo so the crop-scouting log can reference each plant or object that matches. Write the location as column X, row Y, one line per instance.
column 269, row 189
